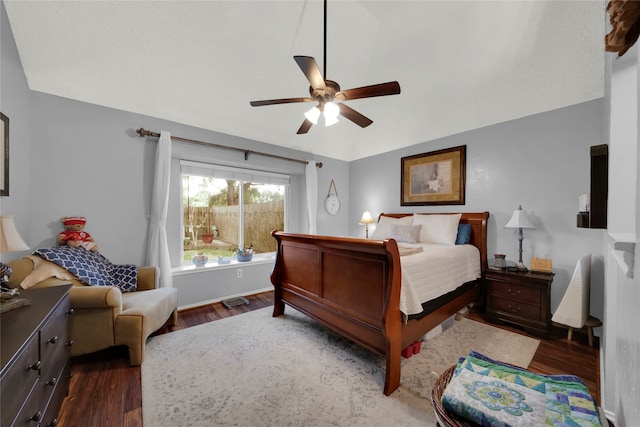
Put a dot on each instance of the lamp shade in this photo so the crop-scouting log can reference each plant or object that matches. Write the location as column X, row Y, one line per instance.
column 519, row 219
column 10, row 240
column 366, row 218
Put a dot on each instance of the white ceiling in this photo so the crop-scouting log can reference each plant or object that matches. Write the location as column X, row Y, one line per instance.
column 461, row 65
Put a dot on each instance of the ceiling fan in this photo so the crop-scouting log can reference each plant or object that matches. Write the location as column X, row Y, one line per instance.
column 328, row 95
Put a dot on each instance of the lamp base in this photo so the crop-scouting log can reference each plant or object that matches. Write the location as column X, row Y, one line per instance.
column 521, row 266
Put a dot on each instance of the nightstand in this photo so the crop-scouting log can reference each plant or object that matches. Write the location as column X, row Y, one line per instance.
column 520, row 298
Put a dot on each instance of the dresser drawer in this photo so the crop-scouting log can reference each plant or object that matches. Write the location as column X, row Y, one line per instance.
column 59, row 391
column 512, row 307
column 32, row 411
column 515, row 291
column 54, row 338
column 20, row 380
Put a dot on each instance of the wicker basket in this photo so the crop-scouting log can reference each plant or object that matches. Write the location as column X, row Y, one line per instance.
column 446, row 419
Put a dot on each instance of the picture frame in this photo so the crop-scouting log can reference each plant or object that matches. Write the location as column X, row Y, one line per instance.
column 4, row 152
column 434, row 178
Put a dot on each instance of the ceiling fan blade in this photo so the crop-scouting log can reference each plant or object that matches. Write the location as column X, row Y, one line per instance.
column 311, row 71
column 304, row 128
column 278, row 101
column 354, row 116
column 382, row 89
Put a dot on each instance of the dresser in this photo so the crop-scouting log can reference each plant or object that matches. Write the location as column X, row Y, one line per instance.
column 520, row 298
column 35, row 358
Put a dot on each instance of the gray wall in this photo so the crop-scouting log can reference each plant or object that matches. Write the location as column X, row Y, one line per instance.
column 14, row 103
column 540, row 162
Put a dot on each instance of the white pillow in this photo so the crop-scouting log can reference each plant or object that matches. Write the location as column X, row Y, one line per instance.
column 441, row 229
column 405, row 233
column 385, row 223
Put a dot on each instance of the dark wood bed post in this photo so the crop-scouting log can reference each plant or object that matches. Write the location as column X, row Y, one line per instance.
column 392, row 323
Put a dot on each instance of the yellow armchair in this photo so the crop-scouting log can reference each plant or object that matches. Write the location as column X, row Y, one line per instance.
column 103, row 316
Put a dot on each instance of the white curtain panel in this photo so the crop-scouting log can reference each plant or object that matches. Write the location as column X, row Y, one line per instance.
column 158, row 249
column 312, row 195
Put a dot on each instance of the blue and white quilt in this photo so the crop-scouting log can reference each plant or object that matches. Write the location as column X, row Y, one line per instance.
column 491, row 393
column 91, row 267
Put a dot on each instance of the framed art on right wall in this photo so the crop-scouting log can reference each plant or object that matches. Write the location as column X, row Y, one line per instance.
column 434, row 178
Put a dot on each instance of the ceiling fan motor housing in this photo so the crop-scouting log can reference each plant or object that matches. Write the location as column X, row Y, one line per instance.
column 330, row 92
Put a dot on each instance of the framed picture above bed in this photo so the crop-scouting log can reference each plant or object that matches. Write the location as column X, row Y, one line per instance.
column 434, row 178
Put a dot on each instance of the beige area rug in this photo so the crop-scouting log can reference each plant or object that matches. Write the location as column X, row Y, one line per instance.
column 256, row 370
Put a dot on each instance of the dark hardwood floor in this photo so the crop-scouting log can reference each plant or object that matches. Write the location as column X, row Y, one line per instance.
column 106, row 392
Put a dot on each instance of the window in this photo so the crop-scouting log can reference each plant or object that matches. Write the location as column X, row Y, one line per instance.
column 225, row 208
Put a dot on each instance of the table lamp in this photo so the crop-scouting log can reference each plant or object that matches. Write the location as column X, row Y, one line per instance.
column 366, row 220
column 10, row 241
column 519, row 220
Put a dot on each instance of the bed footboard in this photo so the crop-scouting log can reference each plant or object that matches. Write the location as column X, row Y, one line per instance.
column 350, row 285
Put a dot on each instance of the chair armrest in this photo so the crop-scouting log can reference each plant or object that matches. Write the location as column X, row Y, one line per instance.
column 95, row 297
column 147, row 278
column 21, row 268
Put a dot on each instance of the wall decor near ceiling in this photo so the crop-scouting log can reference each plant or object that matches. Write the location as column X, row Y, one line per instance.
column 624, row 17
column 4, row 153
column 435, row 178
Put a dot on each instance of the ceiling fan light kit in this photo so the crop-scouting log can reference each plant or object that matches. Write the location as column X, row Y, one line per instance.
column 328, row 95
column 312, row 115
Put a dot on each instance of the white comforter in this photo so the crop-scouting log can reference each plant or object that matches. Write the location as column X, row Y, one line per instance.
column 434, row 271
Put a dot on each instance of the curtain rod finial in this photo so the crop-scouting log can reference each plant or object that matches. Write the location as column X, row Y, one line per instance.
column 144, row 132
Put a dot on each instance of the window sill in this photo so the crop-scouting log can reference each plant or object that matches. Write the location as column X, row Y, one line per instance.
column 212, row 265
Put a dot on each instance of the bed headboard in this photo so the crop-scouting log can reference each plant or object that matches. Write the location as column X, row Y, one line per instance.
column 478, row 222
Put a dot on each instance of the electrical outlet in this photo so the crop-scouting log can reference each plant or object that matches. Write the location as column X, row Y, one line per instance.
column 239, row 273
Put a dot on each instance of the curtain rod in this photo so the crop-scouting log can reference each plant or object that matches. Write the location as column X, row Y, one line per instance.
column 144, row 132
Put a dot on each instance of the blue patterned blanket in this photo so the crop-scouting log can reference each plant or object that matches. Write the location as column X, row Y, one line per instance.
column 491, row 393
column 91, row 267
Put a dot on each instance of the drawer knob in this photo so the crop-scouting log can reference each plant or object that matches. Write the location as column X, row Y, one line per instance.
column 53, row 339
column 70, row 311
column 37, row 417
column 513, row 293
column 52, row 381
column 514, row 310
column 35, row 366
column 69, row 343
column 53, row 423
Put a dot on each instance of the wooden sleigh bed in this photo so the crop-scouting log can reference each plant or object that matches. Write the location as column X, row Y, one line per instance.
column 352, row 286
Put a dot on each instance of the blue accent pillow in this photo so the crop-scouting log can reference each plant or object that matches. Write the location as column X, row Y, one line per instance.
column 464, row 234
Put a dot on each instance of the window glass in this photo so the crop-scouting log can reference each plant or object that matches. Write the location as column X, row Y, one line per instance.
column 228, row 208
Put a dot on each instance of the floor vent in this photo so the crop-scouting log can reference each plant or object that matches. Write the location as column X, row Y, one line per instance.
column 232, row 302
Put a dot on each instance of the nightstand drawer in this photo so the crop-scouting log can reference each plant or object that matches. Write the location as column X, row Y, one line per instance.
column 514, row 291
column 517, row 308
